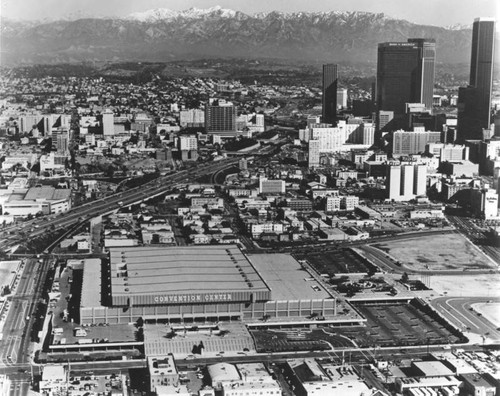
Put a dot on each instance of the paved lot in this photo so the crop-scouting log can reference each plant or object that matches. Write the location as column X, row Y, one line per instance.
column 468, row 284
column 345, row 261
column 398, row 324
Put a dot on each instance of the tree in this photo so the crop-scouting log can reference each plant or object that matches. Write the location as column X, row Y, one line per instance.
column 5, row 290
column 140, row 334
column 110, row 171
column 404, row 278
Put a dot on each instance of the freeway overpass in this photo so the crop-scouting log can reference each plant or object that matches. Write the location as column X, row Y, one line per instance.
column 103, row 206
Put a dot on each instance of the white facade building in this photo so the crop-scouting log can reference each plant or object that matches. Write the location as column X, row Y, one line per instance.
column 405, row 182
column 188, row 143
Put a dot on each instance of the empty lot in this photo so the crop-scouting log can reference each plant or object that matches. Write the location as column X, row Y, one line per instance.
column 450, row 252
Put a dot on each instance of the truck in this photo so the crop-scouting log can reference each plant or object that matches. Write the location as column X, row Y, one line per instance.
column 79, row 332
column 85, row 341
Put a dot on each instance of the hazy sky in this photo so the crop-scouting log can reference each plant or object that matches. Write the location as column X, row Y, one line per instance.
column 432, row 12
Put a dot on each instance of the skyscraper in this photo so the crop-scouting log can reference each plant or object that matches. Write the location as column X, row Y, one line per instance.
column 481, row 64
column 474, row 101
column 405, row 74
column 220, row 118
column 425, row 70
column 468, row 114
column 330, row 78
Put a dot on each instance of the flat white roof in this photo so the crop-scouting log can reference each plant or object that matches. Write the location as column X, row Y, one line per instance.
column 286, row 278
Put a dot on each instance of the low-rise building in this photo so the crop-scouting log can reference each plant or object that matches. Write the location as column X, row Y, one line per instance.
column 269, row 227
column 162, row 372
column 477, row 385
column 46, row 200
column 310, row 379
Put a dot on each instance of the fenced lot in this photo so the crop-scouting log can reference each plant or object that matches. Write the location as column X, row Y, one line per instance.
column 343, row 261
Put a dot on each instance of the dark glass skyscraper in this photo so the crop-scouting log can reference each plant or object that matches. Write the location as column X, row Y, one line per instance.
column 405, row 74
column 481, row 65
column 474, row 101
column 425, row 70
column 330, row 78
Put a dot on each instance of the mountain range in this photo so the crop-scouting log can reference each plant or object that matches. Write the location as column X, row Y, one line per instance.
column 165, row 35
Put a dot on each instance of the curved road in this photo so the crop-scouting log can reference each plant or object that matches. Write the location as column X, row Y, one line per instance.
column 460, row 311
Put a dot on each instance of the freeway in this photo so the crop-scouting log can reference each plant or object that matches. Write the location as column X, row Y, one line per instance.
column 35, row 228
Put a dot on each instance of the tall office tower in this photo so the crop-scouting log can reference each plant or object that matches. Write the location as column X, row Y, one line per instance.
column 405, row 74
column 405, row 182
column 468, row 114
column 425, row 70
column 314, row 146
column 220, row 118
column 330, row 78
column 481, row 65
column 474, row 101
column 108, row 123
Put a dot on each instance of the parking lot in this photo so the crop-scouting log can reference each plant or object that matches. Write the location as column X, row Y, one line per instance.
column 343, row 261
column 289, row 340
column 398, row 324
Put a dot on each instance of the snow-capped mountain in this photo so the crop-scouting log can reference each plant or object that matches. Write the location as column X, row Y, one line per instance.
column 162, row 14
column 161, row 34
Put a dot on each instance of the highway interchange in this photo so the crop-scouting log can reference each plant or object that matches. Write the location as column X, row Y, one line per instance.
column 15, row 346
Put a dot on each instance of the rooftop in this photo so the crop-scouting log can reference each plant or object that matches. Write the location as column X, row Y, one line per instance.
column 47, row 193
column 477, row 380
column 182, row 270
column 251, row 371
column 286, row 278
column 432, row 368
column 91, row 284
column 162, row 366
